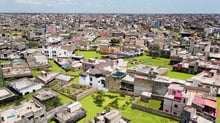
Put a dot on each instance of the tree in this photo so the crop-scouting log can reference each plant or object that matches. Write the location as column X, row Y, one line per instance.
column 114, row 41
column 99, row 98
column 154, row 50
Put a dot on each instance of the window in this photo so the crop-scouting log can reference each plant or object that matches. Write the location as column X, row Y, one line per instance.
column 42, row 116
column 184, row 100
column 166, row 110
column 31, row 117
column 176, row 106
column 90, row 78
column 175, row 113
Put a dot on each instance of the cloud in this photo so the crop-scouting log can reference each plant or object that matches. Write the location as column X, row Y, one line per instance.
column 44, row 2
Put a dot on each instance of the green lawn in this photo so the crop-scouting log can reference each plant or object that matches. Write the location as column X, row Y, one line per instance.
column 218, row 104
column 155, row 104
column 55, row 67
column 89, row 54
column 162, row 62
column 2, row 81
column 35, row 72
column 136, row 116
column 65, row 99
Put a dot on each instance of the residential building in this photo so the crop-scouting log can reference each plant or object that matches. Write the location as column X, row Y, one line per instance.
column 24, row 85
column 45, row 95
column 6, row 95
column 46, row 78
column 113, row 116
column 71, row 113
column 175, row 99
column 17, row 68
column 58, row 51
column 94, row 77
column 27, row 112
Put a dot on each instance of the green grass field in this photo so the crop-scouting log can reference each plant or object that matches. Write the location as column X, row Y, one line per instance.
column 89, row 54
column 136, row 116
column 55, row 67
column 155, row 104
column 75, row 74
column 162, row 62
column 65, row 99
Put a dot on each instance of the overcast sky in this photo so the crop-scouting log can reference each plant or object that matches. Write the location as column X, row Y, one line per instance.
column 110, row 6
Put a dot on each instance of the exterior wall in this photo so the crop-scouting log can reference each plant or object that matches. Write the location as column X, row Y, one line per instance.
column 113, row 84
column 84, row 80
column 56, row 52
column 135, row 105
column 96, row 82
column 173, row 106
column 167, row 104
column 177, row 110
column 142, row 85
column 31, row 89
column 109, row 50
column 9, row 56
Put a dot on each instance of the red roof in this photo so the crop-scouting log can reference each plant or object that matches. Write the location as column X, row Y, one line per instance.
column 210, row 103
column 198, row 101
column 178, row 96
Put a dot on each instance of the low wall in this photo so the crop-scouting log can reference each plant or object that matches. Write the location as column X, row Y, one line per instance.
column 157, row 97
column 197, row 89
column 153, row 111
column 84, row 94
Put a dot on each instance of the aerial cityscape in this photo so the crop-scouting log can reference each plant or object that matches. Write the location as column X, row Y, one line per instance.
column 109, row 61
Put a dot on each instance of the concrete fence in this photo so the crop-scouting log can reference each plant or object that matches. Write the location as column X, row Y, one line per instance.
column 135, row 105
column 197, row 89
column 157, row 97
column 85, row 93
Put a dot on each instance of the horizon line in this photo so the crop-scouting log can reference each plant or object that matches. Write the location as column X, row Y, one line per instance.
column 158, row 13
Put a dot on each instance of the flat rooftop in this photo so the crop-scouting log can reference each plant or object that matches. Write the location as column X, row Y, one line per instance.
column 202, row 120
column 16, row 72
column 48, row 76
column 65, row 115
column 145, row 69
column 45, row 94
column 13, row 114
column 129, row 78
column 63, row 77
column 112, row 114
column 22, row 83
column 203, row 78
column 5, row 93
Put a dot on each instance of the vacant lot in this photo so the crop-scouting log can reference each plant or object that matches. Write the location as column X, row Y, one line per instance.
column 89, row 54
column 124, row 105
column 162, row 62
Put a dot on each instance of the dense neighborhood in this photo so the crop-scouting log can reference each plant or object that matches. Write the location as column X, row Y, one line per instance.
column 109, row 68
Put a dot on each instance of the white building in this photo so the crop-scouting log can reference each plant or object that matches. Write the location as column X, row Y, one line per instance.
column 94, row 77
column 58, row 51
column 24, row 86
column 54, row 39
